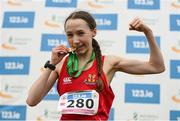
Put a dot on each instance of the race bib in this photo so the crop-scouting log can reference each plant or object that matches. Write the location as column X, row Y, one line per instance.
column 82, row 102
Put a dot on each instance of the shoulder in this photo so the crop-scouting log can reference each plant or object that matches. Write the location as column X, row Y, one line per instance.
column 111, row 59
column 109, row 66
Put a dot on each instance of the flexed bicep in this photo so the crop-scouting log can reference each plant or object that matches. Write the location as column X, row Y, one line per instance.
column 133, row 66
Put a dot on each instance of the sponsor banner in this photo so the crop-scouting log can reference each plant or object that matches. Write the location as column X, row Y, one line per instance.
column 138, row 44
column 14, row 65
column 48, row 41
column 106, row 21
column 175, row 69
column 111, row 115
column 142, row 93
column 144, row 4
column 29, row 29
column 175, row 22
column 18, row 19
column 61, row 3
column 12, row 113
column 174, row 115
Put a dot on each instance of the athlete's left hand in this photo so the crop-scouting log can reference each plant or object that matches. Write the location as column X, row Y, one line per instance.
column 138, row 25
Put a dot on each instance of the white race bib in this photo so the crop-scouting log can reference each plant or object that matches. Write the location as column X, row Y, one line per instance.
column 82, row 102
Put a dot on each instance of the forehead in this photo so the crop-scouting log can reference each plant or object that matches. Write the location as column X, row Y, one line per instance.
column 76, row 24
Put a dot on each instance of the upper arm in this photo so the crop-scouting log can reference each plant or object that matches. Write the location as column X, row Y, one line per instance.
column 133, row 66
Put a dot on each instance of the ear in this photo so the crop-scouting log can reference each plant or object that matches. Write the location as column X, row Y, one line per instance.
column 94, row 31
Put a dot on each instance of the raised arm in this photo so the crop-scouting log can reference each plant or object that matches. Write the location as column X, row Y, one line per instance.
column 155, row 64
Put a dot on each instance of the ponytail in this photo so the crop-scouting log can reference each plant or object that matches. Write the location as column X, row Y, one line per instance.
column 98, row 56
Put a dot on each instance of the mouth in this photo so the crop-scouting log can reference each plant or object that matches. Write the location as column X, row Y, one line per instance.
column 72, row 50
column 75, row 48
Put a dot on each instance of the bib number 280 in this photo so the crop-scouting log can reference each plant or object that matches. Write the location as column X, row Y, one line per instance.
column 80, row 103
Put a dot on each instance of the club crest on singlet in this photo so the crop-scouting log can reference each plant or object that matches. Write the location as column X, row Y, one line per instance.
column 91, row 79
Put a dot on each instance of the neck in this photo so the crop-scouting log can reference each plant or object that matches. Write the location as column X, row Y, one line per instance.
column 85, row 56
column 75, row 66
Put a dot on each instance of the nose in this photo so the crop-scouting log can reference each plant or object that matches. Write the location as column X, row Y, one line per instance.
column 75, row 39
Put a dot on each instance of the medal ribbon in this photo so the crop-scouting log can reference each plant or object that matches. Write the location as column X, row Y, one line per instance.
column 72, row 64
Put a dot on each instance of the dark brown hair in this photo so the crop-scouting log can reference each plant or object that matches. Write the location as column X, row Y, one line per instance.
column 87, row 17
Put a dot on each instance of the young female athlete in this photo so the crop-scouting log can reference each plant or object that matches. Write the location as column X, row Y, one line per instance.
column 84, row 74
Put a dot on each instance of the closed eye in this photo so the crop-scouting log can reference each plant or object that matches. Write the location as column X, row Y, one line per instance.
column 69, row 35
column 80, row 33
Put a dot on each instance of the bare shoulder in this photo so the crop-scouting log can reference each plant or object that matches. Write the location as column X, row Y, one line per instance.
column 110, row 62
column 112, row 59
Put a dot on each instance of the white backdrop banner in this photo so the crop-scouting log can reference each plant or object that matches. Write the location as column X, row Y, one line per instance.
column 29, row 29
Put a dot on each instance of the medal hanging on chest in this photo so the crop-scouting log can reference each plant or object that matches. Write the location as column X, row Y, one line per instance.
column 73, row 63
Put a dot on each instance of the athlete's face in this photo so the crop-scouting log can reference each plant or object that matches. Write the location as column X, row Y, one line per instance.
column 79, row 35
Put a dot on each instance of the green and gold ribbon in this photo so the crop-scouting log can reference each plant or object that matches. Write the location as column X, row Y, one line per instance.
column 73, row 63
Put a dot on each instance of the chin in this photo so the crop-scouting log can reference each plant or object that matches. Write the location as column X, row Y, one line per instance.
column 81, row 52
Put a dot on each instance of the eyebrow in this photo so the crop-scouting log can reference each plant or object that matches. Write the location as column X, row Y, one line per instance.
column 75, row 31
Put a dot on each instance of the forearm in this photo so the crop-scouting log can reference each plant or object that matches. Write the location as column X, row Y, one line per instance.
column 156, row 58
column 38, row 88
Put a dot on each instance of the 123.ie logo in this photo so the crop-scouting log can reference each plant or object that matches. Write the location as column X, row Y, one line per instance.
column 174, row 22
column 10, row 112
column 106, row 21
column 18, row 19
column 14, row 65
column 48, row 41
column 175, row 69
column 142, row 93
column 144, row 4
column 61, row 3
